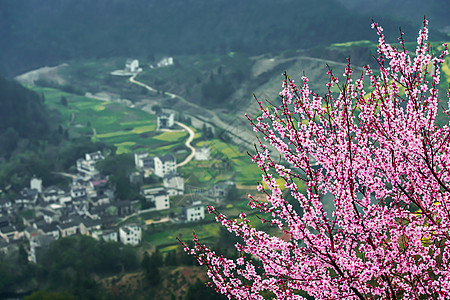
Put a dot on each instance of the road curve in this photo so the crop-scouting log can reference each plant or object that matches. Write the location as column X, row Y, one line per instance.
column 141, row 84
column 188, row 144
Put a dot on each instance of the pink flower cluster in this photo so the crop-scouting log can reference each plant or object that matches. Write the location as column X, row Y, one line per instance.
column 376, row 151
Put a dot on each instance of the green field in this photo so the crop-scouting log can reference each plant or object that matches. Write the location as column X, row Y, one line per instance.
column 132, row 130
column 129, row 129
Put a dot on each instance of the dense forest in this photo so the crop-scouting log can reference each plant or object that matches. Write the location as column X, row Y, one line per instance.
column 50, row 32
column 22, row 116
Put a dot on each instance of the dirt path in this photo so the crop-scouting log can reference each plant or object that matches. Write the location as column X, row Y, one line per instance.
column 188, row 144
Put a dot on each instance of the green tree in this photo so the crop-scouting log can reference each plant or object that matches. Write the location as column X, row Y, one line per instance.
column 63, row 101
column 151, row 269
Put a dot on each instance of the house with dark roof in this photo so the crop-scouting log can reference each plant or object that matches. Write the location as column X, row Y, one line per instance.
column 50, row 229
column 28, row 197
column 158, row 196
column 87, row 226
column 124, row 207
column 4, row 221
column 9, row 233
column 70, row 228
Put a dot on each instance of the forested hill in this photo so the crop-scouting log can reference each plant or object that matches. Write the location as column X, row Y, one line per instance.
column 22, row 116
column 37, row 33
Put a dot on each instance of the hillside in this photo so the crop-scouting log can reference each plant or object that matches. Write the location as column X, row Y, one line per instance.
column 53, row 32
column 22, row 116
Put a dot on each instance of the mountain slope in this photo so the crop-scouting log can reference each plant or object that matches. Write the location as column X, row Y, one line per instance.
column 22, row 115
column 50, row 32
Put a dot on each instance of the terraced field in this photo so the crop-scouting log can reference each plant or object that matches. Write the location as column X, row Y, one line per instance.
column 129, row 129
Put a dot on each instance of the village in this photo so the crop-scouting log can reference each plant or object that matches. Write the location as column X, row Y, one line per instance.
column 89, row 205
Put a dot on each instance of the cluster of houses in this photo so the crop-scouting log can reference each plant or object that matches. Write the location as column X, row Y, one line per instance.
column 87, row 206
column 164, row 62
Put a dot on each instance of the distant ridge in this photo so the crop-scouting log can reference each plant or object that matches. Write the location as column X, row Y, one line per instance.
column 52, row 32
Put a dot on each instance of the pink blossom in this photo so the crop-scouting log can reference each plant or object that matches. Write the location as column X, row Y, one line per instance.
column 384, row 166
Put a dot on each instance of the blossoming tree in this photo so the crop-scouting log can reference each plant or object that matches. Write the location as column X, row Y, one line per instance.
column 372, row 145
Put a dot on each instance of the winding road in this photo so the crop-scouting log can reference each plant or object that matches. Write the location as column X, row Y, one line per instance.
column 185, row 127
column 211, row 118
column 188, row 144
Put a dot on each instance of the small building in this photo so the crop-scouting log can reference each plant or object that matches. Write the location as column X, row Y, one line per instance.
column 158, row 196
column 65, row 199
column 124, row 207
column 130, row 235
column 194, row 211
column 4, row 221
column 49, row 216
column 36, row 183
column 68, row 229
column 136, row 178
column 165, row 165
column 52, row 193
column 50, row 229
column 5, row 204
column 9, row 233
column 38, row 245
column 174, row 184
column 77, row 192
column 30, row 231
column 99, row 201
column 165, row 120
column 27, row 198
column 220, row 190
column 108, row 235
column 203, row 153
column 132, row 65
column 88, row 226
column 143, row 161
column 99, row 184
column 164, row 62
column 86, row 165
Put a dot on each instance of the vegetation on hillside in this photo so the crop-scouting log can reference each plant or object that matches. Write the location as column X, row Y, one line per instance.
column 71, row 29
column 22, row 116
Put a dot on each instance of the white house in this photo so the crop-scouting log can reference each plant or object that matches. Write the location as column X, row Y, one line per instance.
column 106, row 235
column 36, row 183
column 165, row 62
column 69, row 228
column 194, row 212
column 132, row 65
column 164, row 165
column 52, row 193
column 203, row 153
column 158, row 196
column 130, row 235
column 77, row 191
column 142, row 160
column 86, row 165
column 27, row 198
column 174, row 184
column 165, row 120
